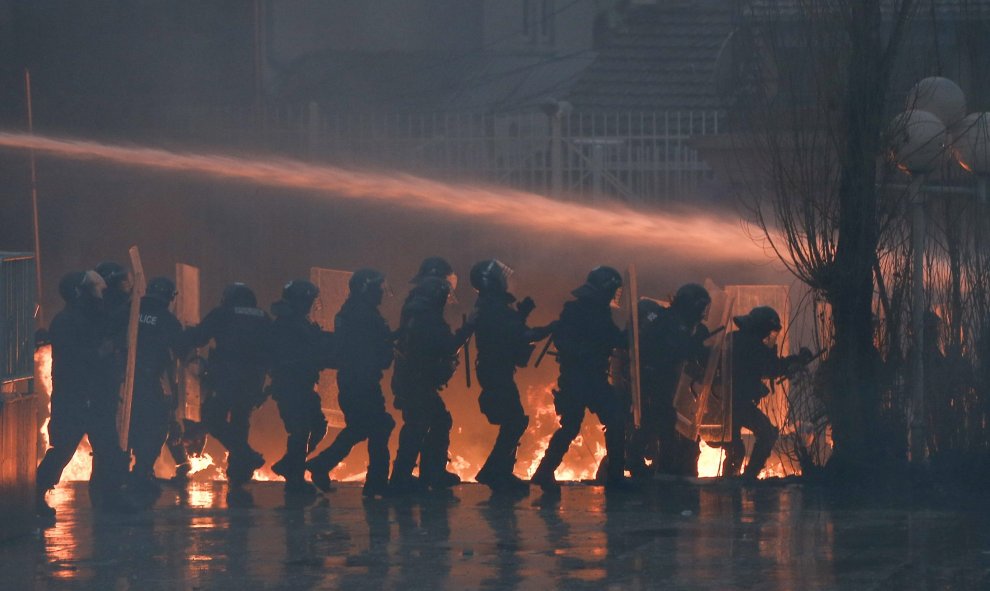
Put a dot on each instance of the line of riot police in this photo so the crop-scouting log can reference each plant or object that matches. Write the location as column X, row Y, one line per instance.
column 288, row 353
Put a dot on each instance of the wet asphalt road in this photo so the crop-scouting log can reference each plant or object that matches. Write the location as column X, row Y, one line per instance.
column 669, row 536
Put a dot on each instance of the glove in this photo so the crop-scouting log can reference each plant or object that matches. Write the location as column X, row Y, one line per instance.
column 805, row 356
column 701, row 333
column 525, row 307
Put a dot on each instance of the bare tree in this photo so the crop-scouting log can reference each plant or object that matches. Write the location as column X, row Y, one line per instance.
column 815, row 97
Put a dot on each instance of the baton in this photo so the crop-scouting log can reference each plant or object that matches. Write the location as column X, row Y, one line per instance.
column 782, row 379
column 715, row 332
column 543, row 352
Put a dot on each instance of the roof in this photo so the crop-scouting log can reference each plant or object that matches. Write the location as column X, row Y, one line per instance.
column 662, row 57
column 942, row 8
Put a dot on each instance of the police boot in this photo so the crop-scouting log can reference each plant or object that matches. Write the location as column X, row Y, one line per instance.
column 762, row 449
column 240, row 470
column 319, row 473
column 544, row 478
column 434, row 474
column 42, row 509
column 404, row 484
column 299, row 487
column 375, row 488
column 181, row 474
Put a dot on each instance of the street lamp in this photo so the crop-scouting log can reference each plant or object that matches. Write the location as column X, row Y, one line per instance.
column 972, row 149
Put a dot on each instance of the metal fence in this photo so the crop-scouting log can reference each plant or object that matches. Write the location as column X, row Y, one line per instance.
column 17, row 303
column 637, row 157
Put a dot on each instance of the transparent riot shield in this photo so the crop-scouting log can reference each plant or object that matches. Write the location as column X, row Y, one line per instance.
column 632, row 328
column 333, row 291
column 695, row 414
column 188, row 313
column 127, row 393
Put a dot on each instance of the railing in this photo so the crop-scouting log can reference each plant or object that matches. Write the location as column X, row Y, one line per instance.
column 637, row 157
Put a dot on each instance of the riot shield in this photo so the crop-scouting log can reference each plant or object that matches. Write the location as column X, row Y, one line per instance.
column 188, row 313
column 127, row 394
column 632, row 328
column 694, row 387
column 333, row 291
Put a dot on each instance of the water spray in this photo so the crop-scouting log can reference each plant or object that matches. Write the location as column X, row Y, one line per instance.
column 713, row 238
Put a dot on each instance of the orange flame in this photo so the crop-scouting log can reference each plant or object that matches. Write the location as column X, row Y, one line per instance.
column 710, row 461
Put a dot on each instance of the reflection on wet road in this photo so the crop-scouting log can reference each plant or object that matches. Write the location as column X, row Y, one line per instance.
column 674, row 536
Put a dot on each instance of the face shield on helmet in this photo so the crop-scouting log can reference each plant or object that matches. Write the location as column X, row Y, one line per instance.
column 603, row 284
column 163, row 289
column 438, row 267
column 238, row 295
column 369, row 282
column 490, row 275
column 303, row 296
column 692, row 303
column 432, row 290
column 94, row 284
column 115, row 276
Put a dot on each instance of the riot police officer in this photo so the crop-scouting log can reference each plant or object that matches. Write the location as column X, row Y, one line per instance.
column 84, row 396
column 235, row 375
column 116, row 311
column 364, row 352
column 753, row 361
column 301, row 351
column 671, row 339
column 116, row 298
column 586, row 336
column 426, row 357
column 504, row 343
column 159, row 345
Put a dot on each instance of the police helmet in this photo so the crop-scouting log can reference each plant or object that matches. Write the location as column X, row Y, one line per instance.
column 491, row 275
column 71, row 285
column 433, row 267
column 691, row 301
column 112, row 273
column 761, row 319
column 436, row 267
column 300, row 294
column 602, row 283
column 238, row 295
column 364, row 280
column 433, row 290
column 162, row 288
